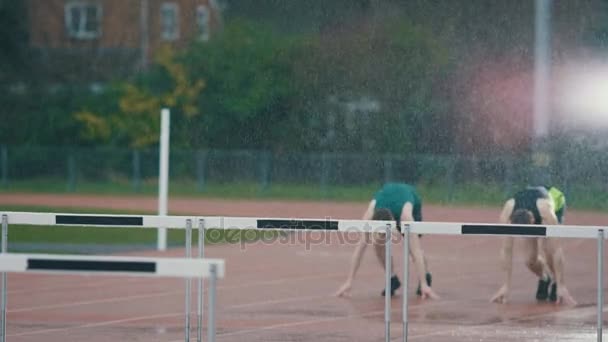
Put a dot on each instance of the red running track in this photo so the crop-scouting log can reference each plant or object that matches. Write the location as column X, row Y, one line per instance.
column 283, row 291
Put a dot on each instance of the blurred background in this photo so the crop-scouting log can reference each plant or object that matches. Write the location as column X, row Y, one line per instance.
column 319, row 100
column 307, row 99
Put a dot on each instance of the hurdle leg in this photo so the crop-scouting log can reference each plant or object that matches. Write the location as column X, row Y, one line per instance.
column 4, row 289
column 188, row 280
column 201, row 253
column 406, row 275
column 600, row 283
column 211, row 305
column 387, row 289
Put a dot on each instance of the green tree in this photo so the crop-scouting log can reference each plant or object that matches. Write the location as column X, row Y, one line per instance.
column 311, row 16
column 379, row 79
column 133, row 118
column 38, row 115
column 249, row 86
column 231, row 92
column 13, row 39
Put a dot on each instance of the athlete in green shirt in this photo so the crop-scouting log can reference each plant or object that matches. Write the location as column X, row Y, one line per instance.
column 400, row 202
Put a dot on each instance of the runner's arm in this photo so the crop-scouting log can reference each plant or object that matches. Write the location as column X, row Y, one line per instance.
column 506, row 255
column 547, row 211
column 358, row 253
column 554, row 253
column 415, row 247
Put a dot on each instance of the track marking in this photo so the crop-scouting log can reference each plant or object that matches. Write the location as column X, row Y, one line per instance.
column 380, row 312
column 98, row 324
column 177, row 314
column 70, row 287
column 566, row 313
column 182, row 292
column 169, row 293
column 161, row 294
column 275, row 281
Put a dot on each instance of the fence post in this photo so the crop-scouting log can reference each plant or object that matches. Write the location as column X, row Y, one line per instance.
column 324, row 173
column 265, row 167
column 566, row 176
column 71, row 186
column 201, row 161
column 136, row 170
column 388, row 168
column 474, row 166
column 4, row 163
column 451, row 161
column 508, row 180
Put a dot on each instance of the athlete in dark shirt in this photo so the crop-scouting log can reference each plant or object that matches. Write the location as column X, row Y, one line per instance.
column 545, row 257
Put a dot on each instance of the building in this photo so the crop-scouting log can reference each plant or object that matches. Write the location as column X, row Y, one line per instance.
column 98, row 38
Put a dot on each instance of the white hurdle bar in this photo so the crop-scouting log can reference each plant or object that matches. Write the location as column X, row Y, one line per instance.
column 114, row 265
column 111, row 265
column 204, row 222
column 427, row 228
column 530, row 231
column 107, row 221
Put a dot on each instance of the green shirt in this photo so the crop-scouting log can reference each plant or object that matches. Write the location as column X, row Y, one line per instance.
column 393, row 196
column 558, row 198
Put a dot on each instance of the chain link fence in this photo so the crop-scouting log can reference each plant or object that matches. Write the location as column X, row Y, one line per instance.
column 104, row 169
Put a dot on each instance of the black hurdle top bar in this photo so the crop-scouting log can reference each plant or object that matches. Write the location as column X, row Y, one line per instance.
column 111, row 265
column 528, row 230
column 297, row 224
column 99, row 220
column 37, row 264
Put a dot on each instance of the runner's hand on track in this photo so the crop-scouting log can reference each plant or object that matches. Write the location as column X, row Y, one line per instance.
column 344, row 290
column 502, row 296
column 564, row 297
column 428, row 293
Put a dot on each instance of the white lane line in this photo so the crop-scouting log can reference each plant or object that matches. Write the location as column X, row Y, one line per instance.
column 181, row 292
column 98, row 283
column 163, row 294
column 98, row 324
column 177, row 314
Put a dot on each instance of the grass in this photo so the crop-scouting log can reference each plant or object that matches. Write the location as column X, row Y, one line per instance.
column 584, row 196
column 247, row 190
column 433, row 193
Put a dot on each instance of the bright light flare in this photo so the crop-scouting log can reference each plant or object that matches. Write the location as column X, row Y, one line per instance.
column 582, row 95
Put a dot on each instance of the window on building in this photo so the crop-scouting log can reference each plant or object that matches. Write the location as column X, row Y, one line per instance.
column 83, row 19
column 202, row 22
column 169, row 21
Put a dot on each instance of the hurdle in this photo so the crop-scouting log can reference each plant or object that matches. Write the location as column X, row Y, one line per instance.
column 113, row 265
column 530, row 231
column 427, row 228
column 291, row 224
column 204, row 222
column 112, row 221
